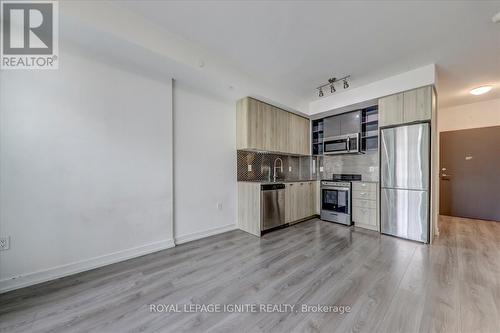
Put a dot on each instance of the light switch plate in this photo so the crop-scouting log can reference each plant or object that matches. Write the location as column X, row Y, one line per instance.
column 320, row 169
column 289, row 169
column 249, row 168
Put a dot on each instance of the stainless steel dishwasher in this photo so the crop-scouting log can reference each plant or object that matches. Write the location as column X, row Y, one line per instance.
column 272, row 205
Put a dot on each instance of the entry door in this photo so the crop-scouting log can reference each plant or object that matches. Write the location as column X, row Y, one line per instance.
column 470, row 173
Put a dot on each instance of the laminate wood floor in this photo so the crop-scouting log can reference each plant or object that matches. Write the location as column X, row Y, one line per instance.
column 391, row 285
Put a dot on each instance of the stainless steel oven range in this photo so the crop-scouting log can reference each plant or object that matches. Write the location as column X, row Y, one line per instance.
column 336, row 201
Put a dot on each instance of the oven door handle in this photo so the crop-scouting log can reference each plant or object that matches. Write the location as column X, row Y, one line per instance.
column 348, row 144
column 336, row 188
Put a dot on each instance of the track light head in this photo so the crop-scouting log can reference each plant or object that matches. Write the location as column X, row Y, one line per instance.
column 320, row 92
column 332, row 88
column 346, row 84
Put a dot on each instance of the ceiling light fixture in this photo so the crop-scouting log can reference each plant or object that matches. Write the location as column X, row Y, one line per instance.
column 480, row 90
column 331, row 84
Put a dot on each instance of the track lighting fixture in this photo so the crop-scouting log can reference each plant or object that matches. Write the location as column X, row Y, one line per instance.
column 331, row 84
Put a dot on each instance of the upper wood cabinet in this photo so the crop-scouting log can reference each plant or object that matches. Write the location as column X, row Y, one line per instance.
column 417, row 104
column 262, row 126
column 406, row 107
column 390, row 110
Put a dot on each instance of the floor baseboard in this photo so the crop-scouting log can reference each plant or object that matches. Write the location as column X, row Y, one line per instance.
column 81, row 266
column 202, row 234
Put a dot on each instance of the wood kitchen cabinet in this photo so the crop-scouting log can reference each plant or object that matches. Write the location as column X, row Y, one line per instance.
column 289, row 200
column 300, row 204
column 300, row 200
column 282, row 130
column 406, row 107
column 299, row 131
column 390, row 110
column 364, row 205
column 417, row 104
column 261, row 126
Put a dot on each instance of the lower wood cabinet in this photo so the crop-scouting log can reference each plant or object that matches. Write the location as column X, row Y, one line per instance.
column 364, row 216
column 300, row 203
column 300, row 200
column 364, row 205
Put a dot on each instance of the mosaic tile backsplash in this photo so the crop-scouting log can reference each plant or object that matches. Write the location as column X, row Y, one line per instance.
column 258, row 166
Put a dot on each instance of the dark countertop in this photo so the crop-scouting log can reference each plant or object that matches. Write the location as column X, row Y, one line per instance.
column 298, row 181
column 277, row 181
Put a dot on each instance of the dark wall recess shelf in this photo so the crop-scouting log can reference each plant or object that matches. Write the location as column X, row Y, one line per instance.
column 367, row 126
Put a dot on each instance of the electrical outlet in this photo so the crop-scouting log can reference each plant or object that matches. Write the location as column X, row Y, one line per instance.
column 249, row 168
column 320, row 169
column 219, row 205
column 4, row 243
column 289, row 169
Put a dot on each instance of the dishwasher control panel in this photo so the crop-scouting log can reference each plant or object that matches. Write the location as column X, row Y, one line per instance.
column 271, row 187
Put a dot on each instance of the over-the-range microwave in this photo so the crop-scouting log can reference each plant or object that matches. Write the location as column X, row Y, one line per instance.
column 341, row 144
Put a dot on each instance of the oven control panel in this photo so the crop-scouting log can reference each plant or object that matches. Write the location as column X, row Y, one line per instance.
column 337, row 184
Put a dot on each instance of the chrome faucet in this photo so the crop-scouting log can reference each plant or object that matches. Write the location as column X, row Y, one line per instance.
column 274, row 168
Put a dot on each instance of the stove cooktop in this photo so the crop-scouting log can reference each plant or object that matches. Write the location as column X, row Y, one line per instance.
column 345, row 177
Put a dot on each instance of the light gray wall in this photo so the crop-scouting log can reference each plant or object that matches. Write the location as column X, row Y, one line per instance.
column 205, row 164
column 474, row 115
column 85, row 168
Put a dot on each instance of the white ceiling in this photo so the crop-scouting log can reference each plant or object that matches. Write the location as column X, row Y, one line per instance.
column 298, row 45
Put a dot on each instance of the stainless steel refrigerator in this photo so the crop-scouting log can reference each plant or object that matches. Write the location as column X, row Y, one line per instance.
column 404, row 181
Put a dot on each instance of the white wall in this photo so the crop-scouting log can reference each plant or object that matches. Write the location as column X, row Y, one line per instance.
column 480, row 114
column 204, row 164
column 85, row 168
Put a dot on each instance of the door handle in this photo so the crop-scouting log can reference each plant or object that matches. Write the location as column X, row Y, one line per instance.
column 445, row 175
